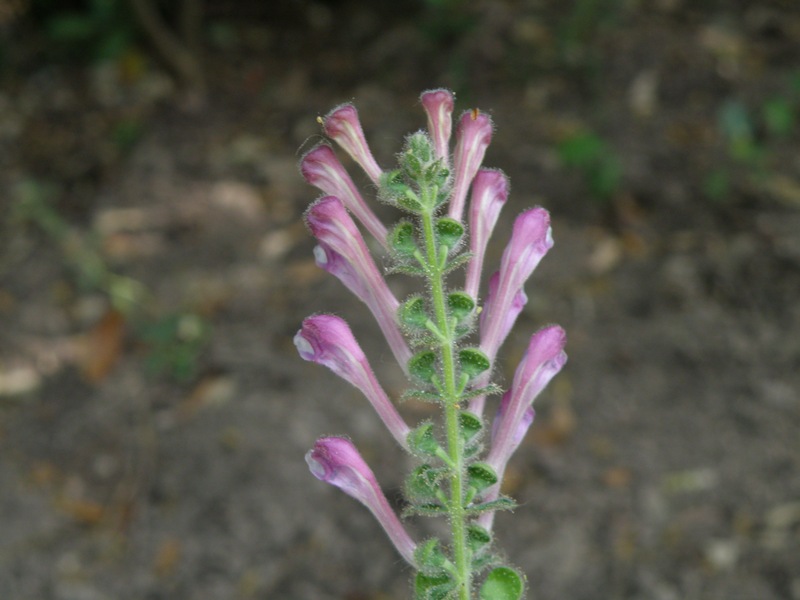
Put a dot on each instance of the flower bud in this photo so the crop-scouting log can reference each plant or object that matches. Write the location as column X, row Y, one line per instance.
column 336, row 460
column 343, row 253
column 489, row 194
column 438, row 105
column 322, row 169
column 473, row 135
column 327, row 340
column 343, row 126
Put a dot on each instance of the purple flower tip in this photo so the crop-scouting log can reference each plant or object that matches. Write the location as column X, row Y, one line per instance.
column 343, row 125
column 336, row 460
column 327, row 340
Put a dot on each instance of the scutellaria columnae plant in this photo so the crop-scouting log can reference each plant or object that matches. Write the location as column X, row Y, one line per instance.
column 460, row 458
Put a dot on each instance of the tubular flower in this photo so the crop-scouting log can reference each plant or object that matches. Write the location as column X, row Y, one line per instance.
column 322, row 169
column 438, row 105
column 509, row 317
column 344, row 127
column 343, row 253
column 530, row 240
column 489, row 194
column 336, row 460
column 327, row 340
column 473, row 134
column 543, row 359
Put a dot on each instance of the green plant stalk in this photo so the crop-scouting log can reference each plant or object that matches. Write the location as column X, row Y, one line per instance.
column 451, row 402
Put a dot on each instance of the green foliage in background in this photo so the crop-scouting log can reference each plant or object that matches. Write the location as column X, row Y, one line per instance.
column 752, row 134
column 90, row 31
column 589, row 154
column 173, row 342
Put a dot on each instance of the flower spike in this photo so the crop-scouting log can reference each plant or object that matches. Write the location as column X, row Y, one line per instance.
column 320, row 167
column 336, row 460
column 473, row 135
column 343, row 253
column 344, row 127
column 327, row 340
column 438, row 105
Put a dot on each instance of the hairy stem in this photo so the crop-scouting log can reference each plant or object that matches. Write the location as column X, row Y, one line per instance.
column 455, row 449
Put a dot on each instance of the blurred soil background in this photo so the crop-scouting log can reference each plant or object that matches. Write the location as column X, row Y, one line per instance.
column 154, row 268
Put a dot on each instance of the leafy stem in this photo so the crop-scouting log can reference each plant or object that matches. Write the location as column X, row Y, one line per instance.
column 452, row 392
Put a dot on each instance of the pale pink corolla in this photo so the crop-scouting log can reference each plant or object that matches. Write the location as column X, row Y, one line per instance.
column 343, row 253
column 327, row 340
column 323, row 170
column 344, row 127
column 489, row 194
column 543, row 359
column 438, row 105
column 531, row 238
column 473, row 134
column 336, row 460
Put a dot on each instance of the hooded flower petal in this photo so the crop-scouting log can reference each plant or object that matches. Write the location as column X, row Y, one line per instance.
column 543, row 359
column 344, row 127
column 327, row 340
column 530, row 241
column 343, row 253
column 473, row 135
column 322, row 169
column 336, row 460
column 489, row 194
column 439, row 107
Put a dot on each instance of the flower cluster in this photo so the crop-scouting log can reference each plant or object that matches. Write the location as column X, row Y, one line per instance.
column 427, row 333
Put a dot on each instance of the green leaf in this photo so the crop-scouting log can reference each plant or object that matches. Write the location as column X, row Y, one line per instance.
column 490, row 390
column 778, row 115
column 433, row 588
column 478, row 539
column 471, row 426
column 502, row 503
column 473, row 361
column 449, row 231
column 423, row 482
column 581, row 150
column 421, row 396
column 430, row 558
column 422, row 441
column 456, row 262
column 412, row 313
column 461, row 305
column 502, row 583
column 402, row 239
column 423, row 365
column 409, row 201
column 481, row 476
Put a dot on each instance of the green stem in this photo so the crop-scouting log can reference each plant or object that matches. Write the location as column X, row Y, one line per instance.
column 452, row 394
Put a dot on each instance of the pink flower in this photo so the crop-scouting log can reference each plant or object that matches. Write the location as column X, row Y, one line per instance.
column 343, row 126
column 439, row 107
column 327, row 340
column 322, row 169
column 522, row 427
column 473, row 135
column 509, row 317
column 489, row 194
column 530, row 240
column 543, row 359
column 343, row 253
column 336, row 461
